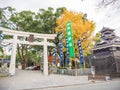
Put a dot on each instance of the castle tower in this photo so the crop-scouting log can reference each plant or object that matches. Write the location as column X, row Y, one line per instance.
column 106, row 54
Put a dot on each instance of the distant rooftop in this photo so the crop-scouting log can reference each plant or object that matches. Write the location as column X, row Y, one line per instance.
column 106, row 28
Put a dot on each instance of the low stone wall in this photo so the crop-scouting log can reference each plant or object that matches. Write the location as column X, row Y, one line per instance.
column 74, row 72
column 4, row 74
column 4, row 71
column 114, row 75
column 97, row 77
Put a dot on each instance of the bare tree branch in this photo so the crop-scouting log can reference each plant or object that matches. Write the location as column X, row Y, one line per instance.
column 105, row 3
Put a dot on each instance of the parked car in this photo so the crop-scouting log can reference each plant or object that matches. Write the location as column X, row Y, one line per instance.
column 30, row 67
column 36, row 68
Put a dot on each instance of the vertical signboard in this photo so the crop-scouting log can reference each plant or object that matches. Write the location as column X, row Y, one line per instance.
column 55, row 57
column 70, row 39
column 61, row 52
column 1, row 36
column 80, row 51
column 67, row 49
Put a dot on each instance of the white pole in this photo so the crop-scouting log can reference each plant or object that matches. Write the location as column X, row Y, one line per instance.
column 13, row 56
column 45, row 67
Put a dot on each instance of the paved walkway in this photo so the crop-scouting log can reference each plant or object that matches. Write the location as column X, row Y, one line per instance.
column 31, row 80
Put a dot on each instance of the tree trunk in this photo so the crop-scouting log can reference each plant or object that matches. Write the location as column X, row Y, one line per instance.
column 23, row 54
column 24, row 64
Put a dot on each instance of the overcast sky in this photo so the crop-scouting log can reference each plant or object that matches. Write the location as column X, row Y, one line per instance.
column 108, row 17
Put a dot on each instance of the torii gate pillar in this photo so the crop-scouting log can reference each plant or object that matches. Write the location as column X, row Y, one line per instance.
column 13, row 56
column 45, row 70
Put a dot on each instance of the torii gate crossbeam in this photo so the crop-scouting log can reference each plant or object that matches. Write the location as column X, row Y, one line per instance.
column 15, row 41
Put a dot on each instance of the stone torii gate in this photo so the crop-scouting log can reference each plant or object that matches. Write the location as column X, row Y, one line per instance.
column 16, row 41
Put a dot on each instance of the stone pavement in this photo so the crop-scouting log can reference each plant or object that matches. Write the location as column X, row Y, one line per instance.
column 32, row 80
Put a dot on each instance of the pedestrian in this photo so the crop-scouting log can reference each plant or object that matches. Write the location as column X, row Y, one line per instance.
column 93, row 72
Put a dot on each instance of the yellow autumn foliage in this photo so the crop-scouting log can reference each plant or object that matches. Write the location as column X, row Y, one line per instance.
column 82, row 28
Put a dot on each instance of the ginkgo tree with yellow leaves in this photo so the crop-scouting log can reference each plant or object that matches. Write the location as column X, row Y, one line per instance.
column 82, row 29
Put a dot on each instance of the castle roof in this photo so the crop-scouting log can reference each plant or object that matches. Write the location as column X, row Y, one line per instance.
column 108, row 43
column 106, row 28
